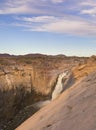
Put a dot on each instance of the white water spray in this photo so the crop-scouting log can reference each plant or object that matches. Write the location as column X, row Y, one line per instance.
column 59, row 86
column 57, row 91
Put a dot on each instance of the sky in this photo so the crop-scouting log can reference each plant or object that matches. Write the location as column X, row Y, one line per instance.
column 48, row 26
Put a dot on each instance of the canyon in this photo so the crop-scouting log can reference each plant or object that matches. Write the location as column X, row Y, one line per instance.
column 33, row 81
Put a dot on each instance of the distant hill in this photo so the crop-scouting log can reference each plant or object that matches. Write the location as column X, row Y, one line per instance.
column 5, row 55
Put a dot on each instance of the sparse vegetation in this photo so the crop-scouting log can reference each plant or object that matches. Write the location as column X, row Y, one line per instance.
column 13, row 101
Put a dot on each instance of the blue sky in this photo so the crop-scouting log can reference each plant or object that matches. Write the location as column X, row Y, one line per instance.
column 48, row 26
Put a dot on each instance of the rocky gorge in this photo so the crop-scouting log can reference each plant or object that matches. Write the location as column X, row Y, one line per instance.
column 29, row 79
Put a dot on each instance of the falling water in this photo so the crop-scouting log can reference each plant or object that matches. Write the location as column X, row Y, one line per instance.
column 57, row 91
column 59, row 86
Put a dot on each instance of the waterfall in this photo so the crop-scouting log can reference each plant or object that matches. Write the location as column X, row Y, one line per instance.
column 56, row 92
column 59, row 86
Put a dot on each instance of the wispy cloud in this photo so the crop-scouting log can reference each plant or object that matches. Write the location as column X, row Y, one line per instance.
column 89, row 7
column 29, row 6
column 89, row 3
column 20, row 7
column 58, row 16
column 48, row 7
column 66, row 25
column 91, row 12
column 57, row 1
column 39, row 19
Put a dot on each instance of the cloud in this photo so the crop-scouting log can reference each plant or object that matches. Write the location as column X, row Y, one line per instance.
column 39, row 19
column 29, row 7
column 89, row 7
column 89, row 3
column 20, row 7
column 57, row 1
column 66, row 25
column 91, row 12
column 15, row 10
column 48, row 7
column 69, row 27
column 57, row 16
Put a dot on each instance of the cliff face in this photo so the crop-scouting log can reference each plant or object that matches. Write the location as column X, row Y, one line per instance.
column 38, row 72
column 83, row 70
